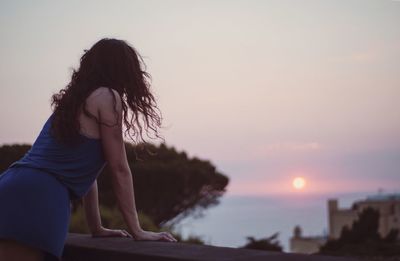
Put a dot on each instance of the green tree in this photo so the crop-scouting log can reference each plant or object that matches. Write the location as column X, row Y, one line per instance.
column 168, row 184
column 11, row 153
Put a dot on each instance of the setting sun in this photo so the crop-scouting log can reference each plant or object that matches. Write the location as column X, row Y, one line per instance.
column 299, row 183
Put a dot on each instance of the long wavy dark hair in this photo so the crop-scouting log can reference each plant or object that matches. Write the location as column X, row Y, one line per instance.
column 114, row 64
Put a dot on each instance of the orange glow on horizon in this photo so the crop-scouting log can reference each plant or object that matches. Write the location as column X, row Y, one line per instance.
column 282, row 185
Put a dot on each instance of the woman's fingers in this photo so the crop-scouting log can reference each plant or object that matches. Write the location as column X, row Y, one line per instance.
column 123, row 233
column 146, row 235
column 119, row 233
column 105, row 232
column 168, row 236
column 126, row 233
column 164, row 238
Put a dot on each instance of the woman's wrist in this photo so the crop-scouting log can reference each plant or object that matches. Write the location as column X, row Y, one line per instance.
column 136, row 231
column 96, row 230
column 133, row 224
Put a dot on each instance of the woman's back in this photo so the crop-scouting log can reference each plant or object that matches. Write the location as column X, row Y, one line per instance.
column 88, row 126
column 75, row 166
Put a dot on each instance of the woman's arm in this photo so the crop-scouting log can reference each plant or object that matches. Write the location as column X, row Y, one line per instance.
column 115, row 155
column 110, row 114
column 91, row 206
column 93, row 218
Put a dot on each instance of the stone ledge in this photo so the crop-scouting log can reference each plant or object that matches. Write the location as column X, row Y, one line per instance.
column 82, row 247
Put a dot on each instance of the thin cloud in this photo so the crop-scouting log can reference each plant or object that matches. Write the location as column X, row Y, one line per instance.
column 293, row 147
column 369, row 56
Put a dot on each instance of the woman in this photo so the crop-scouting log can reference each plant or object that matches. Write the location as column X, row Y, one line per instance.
column 81, row 136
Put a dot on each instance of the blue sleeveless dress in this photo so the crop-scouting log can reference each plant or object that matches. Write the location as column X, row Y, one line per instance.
column 36, row 190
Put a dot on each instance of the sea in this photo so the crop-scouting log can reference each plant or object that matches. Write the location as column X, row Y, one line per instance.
column 237, row 217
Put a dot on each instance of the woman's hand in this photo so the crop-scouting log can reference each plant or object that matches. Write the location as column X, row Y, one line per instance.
column 141, row 235
column 105, row 232
column 156, row 236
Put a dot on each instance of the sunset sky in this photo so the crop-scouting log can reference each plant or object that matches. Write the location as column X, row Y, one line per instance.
column 266, row 90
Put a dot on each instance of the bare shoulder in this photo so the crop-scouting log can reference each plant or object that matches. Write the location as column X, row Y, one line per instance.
column 104, row 98
column 104, row 94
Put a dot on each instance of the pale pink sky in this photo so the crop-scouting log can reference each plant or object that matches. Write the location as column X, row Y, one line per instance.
column 266, row 90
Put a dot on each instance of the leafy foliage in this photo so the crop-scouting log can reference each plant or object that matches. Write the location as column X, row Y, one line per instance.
column 11, row 153
column 110, row 218
column 168, row 185
column 269, row 244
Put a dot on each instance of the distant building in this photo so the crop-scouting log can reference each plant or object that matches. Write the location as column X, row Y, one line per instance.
column 388, row 206
column 389, row 210
column 305, row 245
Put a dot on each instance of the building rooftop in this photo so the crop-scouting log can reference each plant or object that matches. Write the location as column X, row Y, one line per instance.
column 383, row 197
